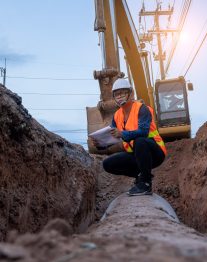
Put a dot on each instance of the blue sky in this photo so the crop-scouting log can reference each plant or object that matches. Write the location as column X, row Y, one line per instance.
column 55, row 39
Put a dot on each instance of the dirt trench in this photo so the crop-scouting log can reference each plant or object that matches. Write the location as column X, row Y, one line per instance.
column 52, row 189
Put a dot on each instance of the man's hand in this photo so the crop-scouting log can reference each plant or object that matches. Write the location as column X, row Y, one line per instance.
column 93, row 142
column 116, row 133
column 115, row 148
column 111, row 149
column 96, row 147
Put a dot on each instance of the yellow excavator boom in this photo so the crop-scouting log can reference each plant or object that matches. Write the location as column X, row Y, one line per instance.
column 130, row 42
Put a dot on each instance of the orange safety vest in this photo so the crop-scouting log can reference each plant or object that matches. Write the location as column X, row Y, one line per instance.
column 133, row 124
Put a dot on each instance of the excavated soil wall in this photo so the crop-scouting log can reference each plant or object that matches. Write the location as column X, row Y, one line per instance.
column 42, row 176
column 182, row 179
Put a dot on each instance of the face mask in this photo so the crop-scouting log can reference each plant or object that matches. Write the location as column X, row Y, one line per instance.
column 121, row 98
column 123, row 102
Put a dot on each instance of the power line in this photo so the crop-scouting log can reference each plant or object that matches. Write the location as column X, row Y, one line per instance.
column 196, row 54
column 57, row 109
column 52, row 63
column 186, row 5
column 58, row 94
column 191, row 52
column 49, row 78
column 182, row 19
column 173, row 3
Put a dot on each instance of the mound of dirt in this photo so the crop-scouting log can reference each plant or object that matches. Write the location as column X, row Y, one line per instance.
column 42, row 176
column 182, row 179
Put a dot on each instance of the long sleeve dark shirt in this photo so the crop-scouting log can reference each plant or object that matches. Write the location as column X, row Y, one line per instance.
column 144, row 121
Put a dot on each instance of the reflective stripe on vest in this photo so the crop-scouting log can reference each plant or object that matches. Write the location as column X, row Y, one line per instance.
column 128, row 147
column 132, row 124
column 153, row 133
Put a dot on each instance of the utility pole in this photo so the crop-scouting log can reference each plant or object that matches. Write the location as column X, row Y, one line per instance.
column 157, row 31
column 3, row 73
column 4, row 76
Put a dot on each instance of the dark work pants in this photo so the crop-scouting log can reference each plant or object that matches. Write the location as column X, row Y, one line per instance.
column 146, row 155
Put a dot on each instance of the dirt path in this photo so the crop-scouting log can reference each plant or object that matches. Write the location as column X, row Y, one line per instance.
column 146, row 228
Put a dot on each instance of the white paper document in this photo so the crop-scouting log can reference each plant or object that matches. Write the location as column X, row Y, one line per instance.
column 104, row 137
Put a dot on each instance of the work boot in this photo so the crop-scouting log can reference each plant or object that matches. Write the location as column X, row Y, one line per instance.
column 142, row 188
column 138, row 178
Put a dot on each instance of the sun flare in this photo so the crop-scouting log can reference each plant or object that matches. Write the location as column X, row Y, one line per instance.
column 183, row 37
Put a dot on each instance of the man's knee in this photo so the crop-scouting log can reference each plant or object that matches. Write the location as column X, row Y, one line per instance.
column 140, row 141
column 140, row 144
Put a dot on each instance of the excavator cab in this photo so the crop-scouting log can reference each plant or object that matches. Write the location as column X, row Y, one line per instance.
column 172, row 108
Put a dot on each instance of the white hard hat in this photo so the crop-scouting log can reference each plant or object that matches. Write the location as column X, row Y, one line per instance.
column 121, row 83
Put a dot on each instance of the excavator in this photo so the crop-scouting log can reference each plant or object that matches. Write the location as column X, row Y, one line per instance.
column 167, row 97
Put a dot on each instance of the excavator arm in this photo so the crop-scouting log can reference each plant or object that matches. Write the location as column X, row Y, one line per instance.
column 130, row 43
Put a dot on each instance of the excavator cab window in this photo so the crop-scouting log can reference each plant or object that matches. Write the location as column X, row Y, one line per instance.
column 172, row 105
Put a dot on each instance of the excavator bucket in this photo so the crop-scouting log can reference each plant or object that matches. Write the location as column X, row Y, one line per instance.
column 94, row 122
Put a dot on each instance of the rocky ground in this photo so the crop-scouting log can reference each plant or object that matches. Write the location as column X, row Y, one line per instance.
column 52, row 189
